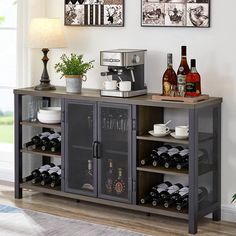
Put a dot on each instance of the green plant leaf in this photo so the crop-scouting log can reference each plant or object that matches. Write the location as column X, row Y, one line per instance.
column 234, row 198
column 73, row 65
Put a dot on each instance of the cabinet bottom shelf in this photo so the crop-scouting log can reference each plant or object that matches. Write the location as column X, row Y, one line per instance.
column 145, row 208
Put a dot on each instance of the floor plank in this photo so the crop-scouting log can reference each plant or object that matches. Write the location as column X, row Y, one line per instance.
column 139, row 222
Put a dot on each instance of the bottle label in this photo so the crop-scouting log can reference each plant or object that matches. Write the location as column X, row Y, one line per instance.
column 159, row 190
column 181, row 79
column 59, row 172
column 160, row 152
column 191, row 87
column 184, row 152
column 173, row 151
column 56, row 135
column 108, row 184
column 119, row 187
column 183, row 191
column 166, row 87
column 44, row 168
column 163, row 186
column 162, row 149
column 53, row 169
column 181, row 68
column 172, row 189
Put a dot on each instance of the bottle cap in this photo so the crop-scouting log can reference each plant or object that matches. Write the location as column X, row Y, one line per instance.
column 193, row 63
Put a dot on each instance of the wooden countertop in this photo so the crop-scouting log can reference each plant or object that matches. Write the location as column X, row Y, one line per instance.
column 94, row 95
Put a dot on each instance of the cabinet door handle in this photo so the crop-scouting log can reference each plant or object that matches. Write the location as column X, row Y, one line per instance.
column 96, row 149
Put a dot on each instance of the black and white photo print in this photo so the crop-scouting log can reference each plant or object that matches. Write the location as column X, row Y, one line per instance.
column 181, row 13
column 94, row 12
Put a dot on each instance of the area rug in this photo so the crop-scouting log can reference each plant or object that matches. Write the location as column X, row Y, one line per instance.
column 20, row 222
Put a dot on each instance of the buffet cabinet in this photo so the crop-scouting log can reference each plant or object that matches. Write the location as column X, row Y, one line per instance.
column 102, row 136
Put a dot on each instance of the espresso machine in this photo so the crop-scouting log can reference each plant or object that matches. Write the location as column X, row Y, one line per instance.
column 125, row 65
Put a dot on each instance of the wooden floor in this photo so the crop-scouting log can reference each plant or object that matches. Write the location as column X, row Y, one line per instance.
column 139, row 222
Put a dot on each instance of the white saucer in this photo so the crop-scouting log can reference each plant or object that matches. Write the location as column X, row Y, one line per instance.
column 158, row 135
column 178, row 137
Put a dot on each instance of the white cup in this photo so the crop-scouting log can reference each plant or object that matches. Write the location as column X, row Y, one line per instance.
column 110, row 84
column 124, row 86
column 160, row 129
column 182, row 130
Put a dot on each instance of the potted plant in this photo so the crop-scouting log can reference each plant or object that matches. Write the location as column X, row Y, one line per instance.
column 73, row 68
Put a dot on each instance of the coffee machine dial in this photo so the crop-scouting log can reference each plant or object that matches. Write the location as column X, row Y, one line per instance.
column 136, row 59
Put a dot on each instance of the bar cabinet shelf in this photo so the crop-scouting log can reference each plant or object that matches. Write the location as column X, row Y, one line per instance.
column 111, row 135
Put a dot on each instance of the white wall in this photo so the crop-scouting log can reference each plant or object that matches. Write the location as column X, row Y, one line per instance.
column 214, row 49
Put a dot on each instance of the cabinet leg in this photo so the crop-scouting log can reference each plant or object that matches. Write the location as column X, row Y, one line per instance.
column 148, row 214
column 192, row 227
column 78, row 201
column 18, row 193
column 216, row 215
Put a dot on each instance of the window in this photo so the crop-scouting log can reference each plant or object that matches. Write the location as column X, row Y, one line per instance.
column 8, row 16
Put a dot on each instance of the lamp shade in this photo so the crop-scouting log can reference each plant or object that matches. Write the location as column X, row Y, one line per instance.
column 46, row 33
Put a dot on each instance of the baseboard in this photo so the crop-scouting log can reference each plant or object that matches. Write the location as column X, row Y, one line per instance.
column 228, row 212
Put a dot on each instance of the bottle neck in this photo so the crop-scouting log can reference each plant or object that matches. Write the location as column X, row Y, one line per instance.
column 193, row 70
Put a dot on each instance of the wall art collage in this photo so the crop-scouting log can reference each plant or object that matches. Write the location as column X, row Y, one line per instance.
column 160, row 13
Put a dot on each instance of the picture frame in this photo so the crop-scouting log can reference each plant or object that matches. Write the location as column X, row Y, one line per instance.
column 98, row 13
column 175, row 13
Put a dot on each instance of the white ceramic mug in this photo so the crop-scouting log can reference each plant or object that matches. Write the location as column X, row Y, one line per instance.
column 182, row 130
column 160, row 129
column 124, row 86
column 110, row 84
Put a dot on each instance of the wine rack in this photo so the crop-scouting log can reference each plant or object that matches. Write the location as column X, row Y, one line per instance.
column 98, row 130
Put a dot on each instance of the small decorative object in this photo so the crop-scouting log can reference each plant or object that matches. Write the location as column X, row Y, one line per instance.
column 181, row 13
column 94, row 12
column 73, row 68
column 46, row 33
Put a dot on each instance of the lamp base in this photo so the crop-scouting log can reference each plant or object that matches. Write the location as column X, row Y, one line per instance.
column 45, row 87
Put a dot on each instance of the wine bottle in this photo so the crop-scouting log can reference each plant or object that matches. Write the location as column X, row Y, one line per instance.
column 88, row 183
column 166, row 195
column 202, row 196
column 35, row 173
column 46, row 175
column 46, row 141
column 56, row 179
column 182, row 72
column 146, row 199
column 169, row 77
column 119, row 184
column 35, row 140
column 193, row 81
column 55, row 144
column 167, row 156
column 155, row 191
column 157, row 159
column 145, row 161
column 176, row 197
column 109, row 177
column 182, row 163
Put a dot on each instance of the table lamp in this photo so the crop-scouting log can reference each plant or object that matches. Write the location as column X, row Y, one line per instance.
column 45, row 33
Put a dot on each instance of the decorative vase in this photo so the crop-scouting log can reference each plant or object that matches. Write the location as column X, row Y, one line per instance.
column 74, row 83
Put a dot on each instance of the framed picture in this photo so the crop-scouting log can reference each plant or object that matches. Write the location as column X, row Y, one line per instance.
column 94, row 13
column 172, row 13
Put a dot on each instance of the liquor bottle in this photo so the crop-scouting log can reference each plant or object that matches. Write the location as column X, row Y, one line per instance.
column 157, row 159
column 167, row 156
column 46, row 141
column 56, row 179
column 182, row 71
column 109, row 177
column 37, row 172
column 193, row 81
column 119, row 184
column 166, row 195
column 88, row 183
column 183, row 202
column 176, row 197
column 46, row 175
column 35, row 140
column 55, row 144
column 169, row 77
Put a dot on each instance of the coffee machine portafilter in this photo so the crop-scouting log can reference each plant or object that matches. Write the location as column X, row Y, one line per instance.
column 125, row 65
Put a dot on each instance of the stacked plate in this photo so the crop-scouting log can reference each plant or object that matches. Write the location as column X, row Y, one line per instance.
column 49, row 115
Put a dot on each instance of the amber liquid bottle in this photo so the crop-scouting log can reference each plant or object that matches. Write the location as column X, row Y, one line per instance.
column 182, row 71
column 193, row 81
column 169, row 77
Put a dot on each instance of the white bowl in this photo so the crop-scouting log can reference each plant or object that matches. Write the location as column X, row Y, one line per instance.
column 50, row 110
column 51, row 118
